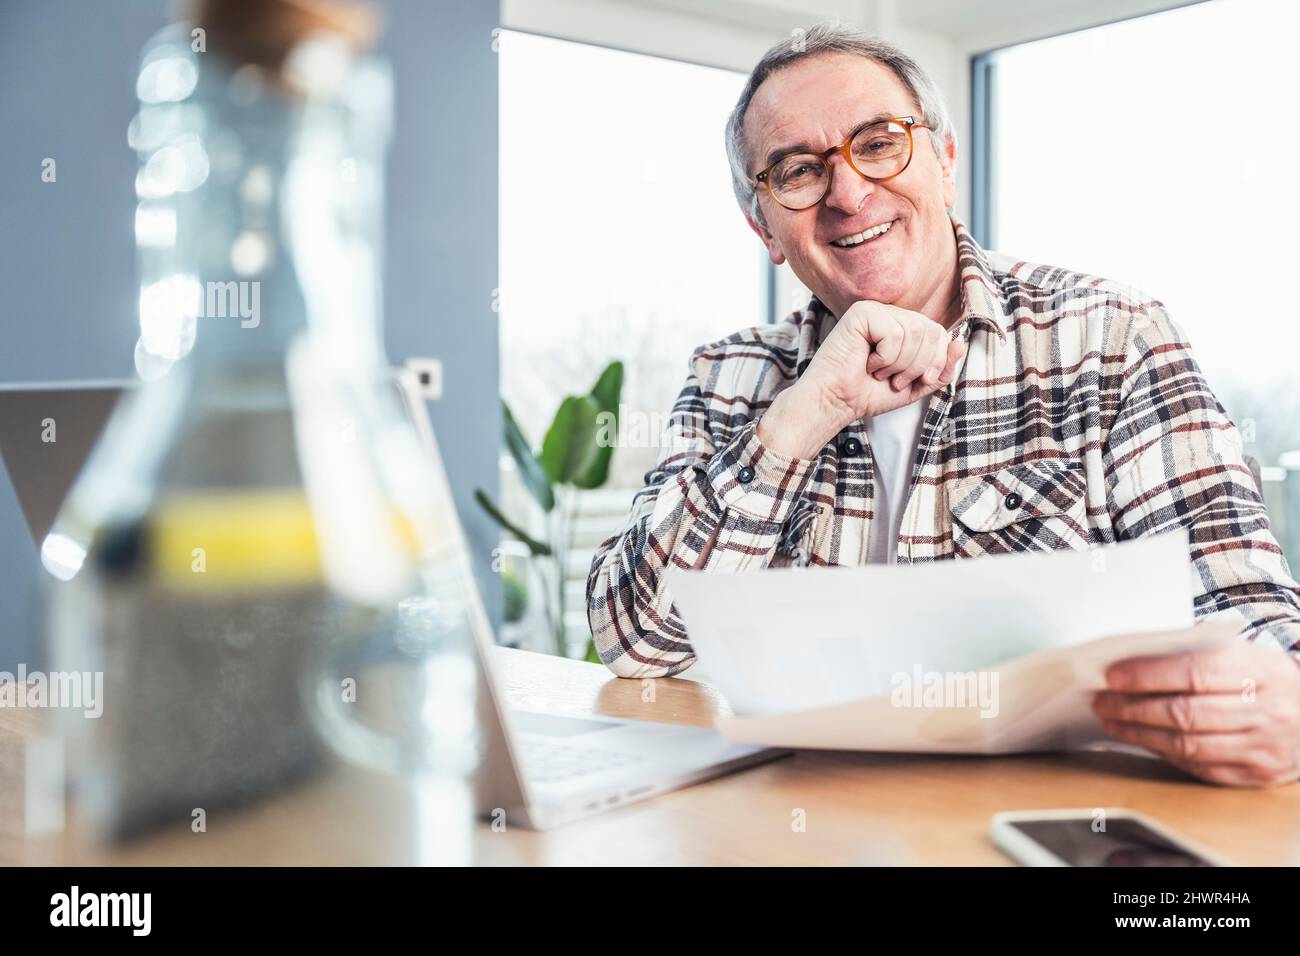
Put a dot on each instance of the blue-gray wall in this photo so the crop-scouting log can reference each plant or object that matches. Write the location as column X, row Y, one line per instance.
column 442, row 240
column 67, row 261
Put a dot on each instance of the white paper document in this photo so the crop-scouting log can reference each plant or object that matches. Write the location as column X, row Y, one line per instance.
column 994, row 655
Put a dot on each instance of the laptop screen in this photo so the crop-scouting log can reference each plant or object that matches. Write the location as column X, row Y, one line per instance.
column 46, row 435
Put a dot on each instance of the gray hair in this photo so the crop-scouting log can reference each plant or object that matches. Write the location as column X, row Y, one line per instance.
column 830, row 37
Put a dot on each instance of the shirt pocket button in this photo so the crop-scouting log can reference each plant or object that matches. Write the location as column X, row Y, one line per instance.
column 745, row 475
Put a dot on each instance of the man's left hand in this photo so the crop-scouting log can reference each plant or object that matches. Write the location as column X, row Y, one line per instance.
column 1228, row 714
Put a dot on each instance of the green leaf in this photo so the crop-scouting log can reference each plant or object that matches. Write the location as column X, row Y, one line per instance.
column 534, row 546
column 609, row 387
column 606, row 393
column 570, row 444
column 592, row 655
column 530, row 469
column 515, row 598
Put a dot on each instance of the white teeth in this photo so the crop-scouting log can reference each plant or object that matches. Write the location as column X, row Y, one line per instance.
column 862, row 236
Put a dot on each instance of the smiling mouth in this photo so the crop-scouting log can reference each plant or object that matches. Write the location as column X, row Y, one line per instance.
column 858, row 238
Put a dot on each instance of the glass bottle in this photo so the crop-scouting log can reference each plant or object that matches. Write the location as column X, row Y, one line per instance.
column 259, row 525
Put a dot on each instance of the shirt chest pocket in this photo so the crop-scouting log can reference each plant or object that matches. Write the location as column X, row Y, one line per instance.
column 1034, row 506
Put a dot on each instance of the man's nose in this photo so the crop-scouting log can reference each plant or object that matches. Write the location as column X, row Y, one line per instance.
column 848, row 188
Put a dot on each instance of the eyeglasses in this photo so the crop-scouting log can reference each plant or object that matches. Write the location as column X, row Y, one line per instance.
column 876, row 151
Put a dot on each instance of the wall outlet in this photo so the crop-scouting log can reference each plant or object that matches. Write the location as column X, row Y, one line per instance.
column 428, row 373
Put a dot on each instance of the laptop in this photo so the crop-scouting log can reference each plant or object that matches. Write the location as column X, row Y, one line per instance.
column 538, row 770
column 46, row 434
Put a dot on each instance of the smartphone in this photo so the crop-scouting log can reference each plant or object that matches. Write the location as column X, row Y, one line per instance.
column 1094, row 837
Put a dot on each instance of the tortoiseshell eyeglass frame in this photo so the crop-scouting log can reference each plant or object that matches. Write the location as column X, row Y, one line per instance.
column 907, row 122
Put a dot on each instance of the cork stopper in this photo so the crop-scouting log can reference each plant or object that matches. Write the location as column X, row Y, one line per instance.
column 263, row 32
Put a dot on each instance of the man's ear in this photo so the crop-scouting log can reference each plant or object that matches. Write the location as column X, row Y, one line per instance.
column 948, row 163
column 773, row 246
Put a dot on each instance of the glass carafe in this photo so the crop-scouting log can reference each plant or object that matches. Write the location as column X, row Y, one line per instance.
column 259, row 522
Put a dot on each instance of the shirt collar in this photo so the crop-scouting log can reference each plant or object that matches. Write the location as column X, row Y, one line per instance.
column 980, row 292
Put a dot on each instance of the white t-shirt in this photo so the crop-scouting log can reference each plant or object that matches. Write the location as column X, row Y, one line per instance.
column 893, row 437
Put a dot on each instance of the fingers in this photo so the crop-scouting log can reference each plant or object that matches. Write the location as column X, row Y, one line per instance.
column 1233, row 774
column 910, row 343
column 938, row 359
column 1219, row 670
column 1201, row 713
column 901, row 380
column 917, row 355
column 928, row 360
column 907, row 349
column 1232, row 759
column 950, row 354
column 1228, row 714
column 886, row 337
column 955, row 351
column 1239, row 736
column 1181, row 747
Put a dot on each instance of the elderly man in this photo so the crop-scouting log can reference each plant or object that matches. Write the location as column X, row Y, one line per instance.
column 936, row 400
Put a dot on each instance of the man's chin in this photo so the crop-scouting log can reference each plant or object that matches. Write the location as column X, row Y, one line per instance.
column 847, row 291
column 874, row 292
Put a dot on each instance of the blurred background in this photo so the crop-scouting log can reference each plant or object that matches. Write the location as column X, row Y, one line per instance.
column 1142, row 140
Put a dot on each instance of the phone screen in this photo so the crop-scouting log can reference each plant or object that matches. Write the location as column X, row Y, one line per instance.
column 1125, row 842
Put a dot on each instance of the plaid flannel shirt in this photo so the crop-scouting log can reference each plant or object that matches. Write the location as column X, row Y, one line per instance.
column 1077, row 395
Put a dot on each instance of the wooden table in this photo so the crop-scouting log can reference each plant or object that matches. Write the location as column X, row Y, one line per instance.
column 854, row 808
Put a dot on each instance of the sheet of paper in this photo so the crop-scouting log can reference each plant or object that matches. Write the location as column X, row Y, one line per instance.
column 794, row 639
column 1037, row 703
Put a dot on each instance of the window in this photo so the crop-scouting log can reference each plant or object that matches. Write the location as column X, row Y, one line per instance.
column 1156, row 151
column 620, row 239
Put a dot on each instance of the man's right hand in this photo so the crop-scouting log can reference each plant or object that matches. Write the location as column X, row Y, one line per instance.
column 877, row 358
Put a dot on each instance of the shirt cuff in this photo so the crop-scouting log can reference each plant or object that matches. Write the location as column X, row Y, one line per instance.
column 748, row 477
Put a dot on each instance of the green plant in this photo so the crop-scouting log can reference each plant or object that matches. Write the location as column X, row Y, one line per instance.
column 515, row 597
column 574, row 457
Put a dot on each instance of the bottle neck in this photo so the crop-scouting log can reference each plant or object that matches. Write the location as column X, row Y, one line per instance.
column 274, row 209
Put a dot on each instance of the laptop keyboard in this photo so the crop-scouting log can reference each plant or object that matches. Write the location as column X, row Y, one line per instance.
column 549, row 761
